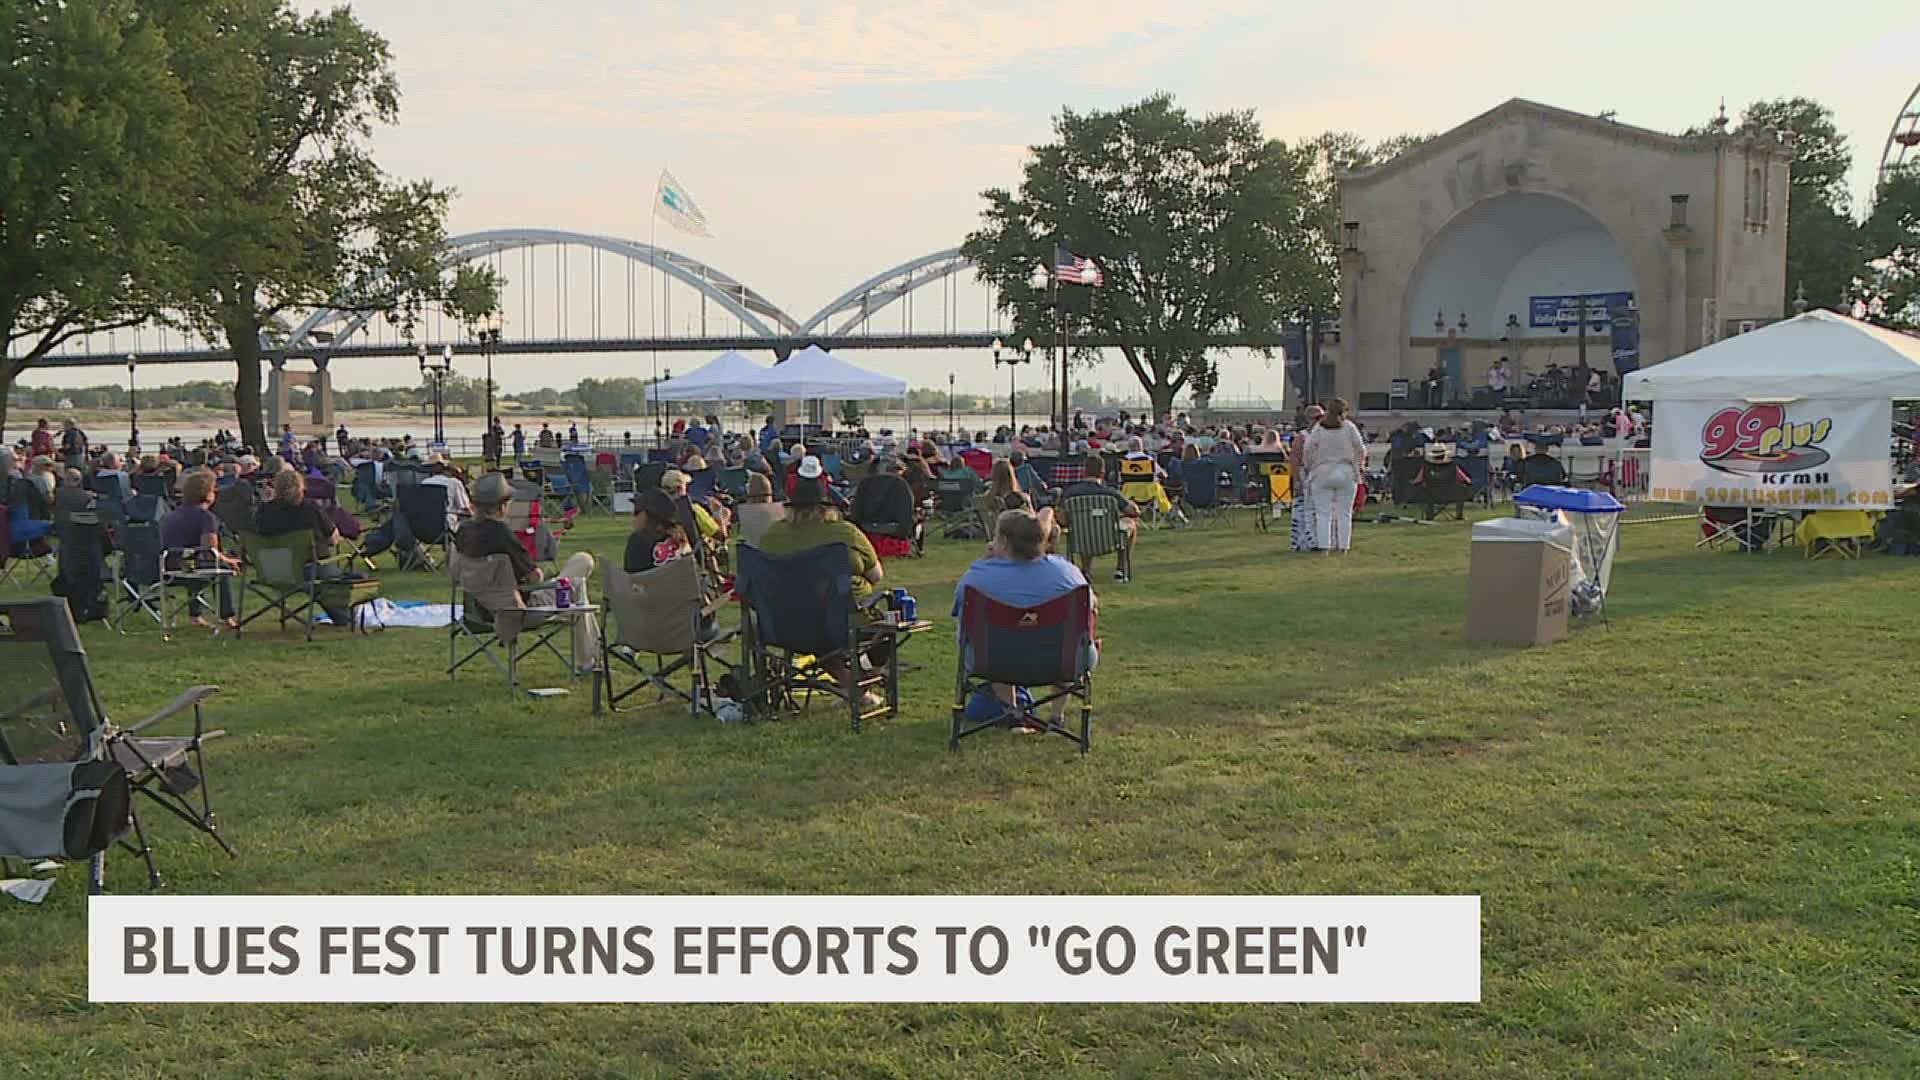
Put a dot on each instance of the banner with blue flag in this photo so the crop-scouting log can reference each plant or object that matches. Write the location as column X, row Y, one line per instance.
column 672, row 202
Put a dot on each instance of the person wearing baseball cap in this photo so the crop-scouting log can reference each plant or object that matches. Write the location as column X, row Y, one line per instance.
column 487, row 533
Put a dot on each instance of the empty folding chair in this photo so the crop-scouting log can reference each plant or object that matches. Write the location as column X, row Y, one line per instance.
column 662, row 615
column 1200, row 490
column 1047, row 648
column 70, row 780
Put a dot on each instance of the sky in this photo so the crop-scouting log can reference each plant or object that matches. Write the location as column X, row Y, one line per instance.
column 828, row 141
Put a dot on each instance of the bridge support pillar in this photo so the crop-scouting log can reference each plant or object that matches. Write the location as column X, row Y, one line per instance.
column 277, row 396
column 321, row 383
column 280, row 384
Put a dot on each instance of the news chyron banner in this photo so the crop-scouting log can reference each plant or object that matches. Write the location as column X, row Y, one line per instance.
column 784, row 948
column 1812, row 454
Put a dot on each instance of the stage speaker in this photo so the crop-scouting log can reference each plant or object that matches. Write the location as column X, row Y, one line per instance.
column 1373, row 402
column 1482, row 397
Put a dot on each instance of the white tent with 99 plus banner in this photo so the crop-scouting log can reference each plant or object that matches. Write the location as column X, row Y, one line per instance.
column 1795, row 415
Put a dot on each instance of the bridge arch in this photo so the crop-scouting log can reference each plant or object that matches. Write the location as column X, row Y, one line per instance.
column 874, row 294
column 759, row 315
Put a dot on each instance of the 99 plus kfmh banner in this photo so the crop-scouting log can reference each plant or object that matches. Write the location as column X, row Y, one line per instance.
column 1815, row 453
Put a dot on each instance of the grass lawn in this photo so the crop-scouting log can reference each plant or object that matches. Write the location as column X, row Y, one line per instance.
column 1694, row 830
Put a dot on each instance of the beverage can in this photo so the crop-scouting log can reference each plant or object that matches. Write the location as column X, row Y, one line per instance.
column 906, row 607
column 563, row 594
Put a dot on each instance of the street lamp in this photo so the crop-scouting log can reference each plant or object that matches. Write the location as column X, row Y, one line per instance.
column 438, row 372
column 1013, row 390
column 489, row 337
column 949, row 406
column 133, row 408
column 1039, row 280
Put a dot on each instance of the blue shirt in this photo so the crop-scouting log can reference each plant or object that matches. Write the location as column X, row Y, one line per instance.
column 768, row 436
column 697, row 435
column 1020, row 583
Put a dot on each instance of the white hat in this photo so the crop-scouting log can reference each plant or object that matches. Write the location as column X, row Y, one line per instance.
column 810, row 468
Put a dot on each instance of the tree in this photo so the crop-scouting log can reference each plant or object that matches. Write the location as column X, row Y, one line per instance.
column 93, row 140
column 1823, row 241
column 1891, row 239
column 294, row 212
column 1201, row 226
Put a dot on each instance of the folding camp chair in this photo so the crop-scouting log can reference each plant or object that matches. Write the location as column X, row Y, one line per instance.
column 283, row 573
column 31, row 557
column 424, row 506
column 1049, row 645
column 1841, row 533
column 161, row 583
column 662, row 613
column 68, row 776
column 752, row 519
column 1140, row 482
column 733, row 483
column 1200, row 490
column 366, row 489
column 1093, row 530
column 799, row 621
column 83, row 565
column 492, row 616
column 155, row 485
column 580, row 481
column 1745, row 529
column 954, row 509
column 563, row 486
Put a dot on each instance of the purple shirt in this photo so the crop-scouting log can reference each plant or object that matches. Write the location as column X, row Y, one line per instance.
column 184, row 526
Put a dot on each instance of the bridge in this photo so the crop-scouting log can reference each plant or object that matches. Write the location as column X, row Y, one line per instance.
column 567, row 292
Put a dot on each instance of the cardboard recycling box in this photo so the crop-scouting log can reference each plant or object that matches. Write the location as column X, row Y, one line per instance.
column 1519, row 581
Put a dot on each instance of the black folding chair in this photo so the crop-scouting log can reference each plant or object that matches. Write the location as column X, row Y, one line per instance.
column 1049, row 645
column 424, row 506
column 69, row 777
column 954, row 508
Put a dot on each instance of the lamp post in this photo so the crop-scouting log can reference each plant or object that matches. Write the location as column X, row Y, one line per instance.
column 1041, row 281
column 949, row 406
column 438, row 372
column 489, row 337
column 1013, row 390
column 133, row 407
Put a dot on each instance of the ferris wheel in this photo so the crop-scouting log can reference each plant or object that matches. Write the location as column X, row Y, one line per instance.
column 1903, row 142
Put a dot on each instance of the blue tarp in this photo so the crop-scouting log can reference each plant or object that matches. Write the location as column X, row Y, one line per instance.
column 1572, row 500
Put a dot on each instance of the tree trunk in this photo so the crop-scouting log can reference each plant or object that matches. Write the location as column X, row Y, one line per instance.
column 1161, row 394
column 243, row 337
column 7, row 374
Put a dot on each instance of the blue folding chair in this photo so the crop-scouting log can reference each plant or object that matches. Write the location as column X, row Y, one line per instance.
column 701, row 485
column 580, row 480
column 799, row 621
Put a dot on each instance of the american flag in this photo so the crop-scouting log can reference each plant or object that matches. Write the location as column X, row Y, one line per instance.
column 1067, row 268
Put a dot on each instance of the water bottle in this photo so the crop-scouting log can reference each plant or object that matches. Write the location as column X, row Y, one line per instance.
column 563, row 594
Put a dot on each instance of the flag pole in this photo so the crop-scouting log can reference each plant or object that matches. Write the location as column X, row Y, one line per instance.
column 653, row 323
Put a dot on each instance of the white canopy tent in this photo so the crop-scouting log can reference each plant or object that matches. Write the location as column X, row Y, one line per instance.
column 726, row 377
column 814, row 373
column 1815, row 355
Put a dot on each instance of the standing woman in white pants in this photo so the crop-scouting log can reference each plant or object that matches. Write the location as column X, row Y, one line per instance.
column 1335, row 458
